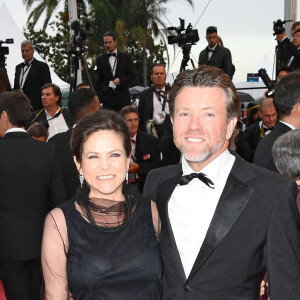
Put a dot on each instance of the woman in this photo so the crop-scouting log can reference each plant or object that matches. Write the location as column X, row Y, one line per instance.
column 102, row 245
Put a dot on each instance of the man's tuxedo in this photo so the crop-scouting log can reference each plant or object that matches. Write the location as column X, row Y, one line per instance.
column 254, row 229
column 38, row 75
column 247, row 141
column 119, row 97
column 145, row 107
column 146, row 153
column 288, row 53
column 40, row 116
column 68, row 167
column 263, row 154
column 221, row 58
column 30, row 185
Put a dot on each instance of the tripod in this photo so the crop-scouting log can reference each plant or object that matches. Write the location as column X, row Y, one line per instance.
column 186, row 50
column 75, row 57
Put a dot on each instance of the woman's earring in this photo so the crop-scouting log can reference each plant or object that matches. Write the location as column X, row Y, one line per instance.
column 81, row 179
column 126, row 178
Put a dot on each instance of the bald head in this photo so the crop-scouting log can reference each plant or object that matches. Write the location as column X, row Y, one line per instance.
column 267, row 112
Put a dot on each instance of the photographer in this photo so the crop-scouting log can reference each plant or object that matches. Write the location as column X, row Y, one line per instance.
column 287, row 53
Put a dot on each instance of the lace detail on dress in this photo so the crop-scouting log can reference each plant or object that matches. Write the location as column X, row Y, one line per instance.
column 108, row 215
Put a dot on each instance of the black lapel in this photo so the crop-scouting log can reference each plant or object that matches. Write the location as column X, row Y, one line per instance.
column 164, row 193
column 233, row 200
column 31, row 71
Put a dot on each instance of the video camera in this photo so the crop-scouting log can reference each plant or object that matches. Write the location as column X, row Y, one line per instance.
column 4, row 51
column 267, row 81
column 184, row 36
column 79, row 36
column 278, row 26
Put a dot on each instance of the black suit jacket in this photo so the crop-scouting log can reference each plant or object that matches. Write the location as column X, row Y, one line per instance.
column 120, row 97
column 30, row 185
column 68, row 167
column 146, row 153
column 38, row 75
column 254, row 229
column 220, row 58
column 145, row 107
column 247, row 141
column 263, row 154
column 40, row 116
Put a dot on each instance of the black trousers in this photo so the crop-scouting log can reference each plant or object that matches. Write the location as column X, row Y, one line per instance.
column 22, row 279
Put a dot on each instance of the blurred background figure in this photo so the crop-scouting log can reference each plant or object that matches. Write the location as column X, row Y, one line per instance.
column 82, row 85
column 219, row 41
column 38, row 131
column 4, row 81
column 252, row 113
column 282, row 72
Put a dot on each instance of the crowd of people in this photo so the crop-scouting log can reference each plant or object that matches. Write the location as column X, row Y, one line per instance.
column 178, row 198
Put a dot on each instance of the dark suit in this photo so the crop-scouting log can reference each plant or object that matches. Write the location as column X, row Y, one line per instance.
column 30, row 185
column 68, row 167
column 146, row 153
column 263, row 154
column 38, row 75
column 247, row 141
column 285, row 51
column 221, row 58
column 40, row 116
column 254, row 228
column 145, row 107
column 120, row 97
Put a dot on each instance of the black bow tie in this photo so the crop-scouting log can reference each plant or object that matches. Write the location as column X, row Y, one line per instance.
column 187, row 178
column 26, row 64
column 111, row 54
column 268, row 129
column 210, row 50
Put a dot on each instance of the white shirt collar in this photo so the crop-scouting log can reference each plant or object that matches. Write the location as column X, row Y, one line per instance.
column 15, row 129
column 133, row 138
column 287, row 124
column 48, row 115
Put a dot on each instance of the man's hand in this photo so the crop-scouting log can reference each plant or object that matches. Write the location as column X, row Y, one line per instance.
column 116, row 81
column 133, row 168
column 280, row 36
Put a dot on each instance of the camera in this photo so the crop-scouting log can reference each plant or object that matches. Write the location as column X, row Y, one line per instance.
column 278, row 26
column 4, row 51
column 184, row 36
column 267, row 81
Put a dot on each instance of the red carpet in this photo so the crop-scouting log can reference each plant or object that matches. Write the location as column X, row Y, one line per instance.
column 2, row 295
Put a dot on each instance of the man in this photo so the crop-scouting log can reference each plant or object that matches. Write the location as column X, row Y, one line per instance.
column 221, row 231
column 153, row 104
column 30, row 185
column 296, row 38
column 247, row 141
column 80, row 103
column 287, row 105
column 52, row 116
column 216, row 55
column 145, row 154
column 31, row 75
column 115, row 75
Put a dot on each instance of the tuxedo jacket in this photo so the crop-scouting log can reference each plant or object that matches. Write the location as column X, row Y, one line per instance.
column 30, row 185
column 147, row 153
column 40, row 116
column 120, row 97
column 38, row 75
column 247, row 141
column 220, row 58
column 263, row 154
column 254, row 229
column 145, row 107
column 285, row 51
column 69, row 171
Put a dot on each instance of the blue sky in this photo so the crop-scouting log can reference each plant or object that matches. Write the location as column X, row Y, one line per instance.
column 246, row 27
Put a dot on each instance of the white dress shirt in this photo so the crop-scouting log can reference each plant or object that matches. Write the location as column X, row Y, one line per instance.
column 56, row 125
column 15, row 129
column 192, row 206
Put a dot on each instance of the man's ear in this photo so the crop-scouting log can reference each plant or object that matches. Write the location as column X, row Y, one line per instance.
column 230, row 127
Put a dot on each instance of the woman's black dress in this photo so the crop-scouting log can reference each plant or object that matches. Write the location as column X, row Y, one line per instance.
column 121, row 263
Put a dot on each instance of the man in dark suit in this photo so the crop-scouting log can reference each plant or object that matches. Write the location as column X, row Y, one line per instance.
column 247, row 141
column 224, row 222
column 115, row 75
column 80, row 103
column 52, row 115
column 216, row 55
column 30, row 185
column 287, row 105
column 145, row 154
column 31, row 75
